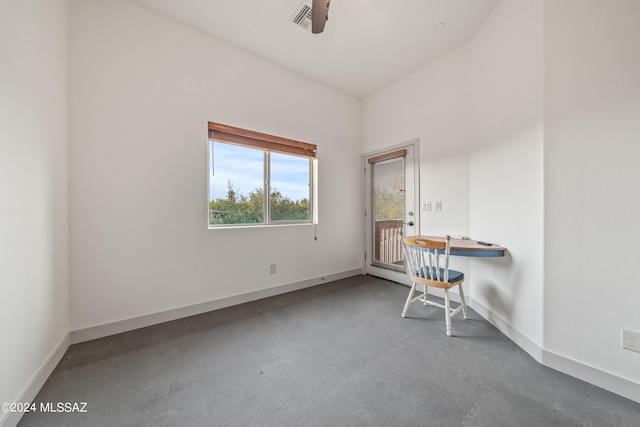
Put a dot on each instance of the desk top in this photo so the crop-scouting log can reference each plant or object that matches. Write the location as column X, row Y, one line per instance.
column 468, row 247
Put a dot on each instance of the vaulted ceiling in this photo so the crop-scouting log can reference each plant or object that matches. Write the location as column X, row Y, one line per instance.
column 366, row 44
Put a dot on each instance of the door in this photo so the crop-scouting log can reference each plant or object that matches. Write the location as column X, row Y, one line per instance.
column 391, row 189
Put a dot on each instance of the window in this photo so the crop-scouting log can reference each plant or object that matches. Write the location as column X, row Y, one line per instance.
column 246, row 166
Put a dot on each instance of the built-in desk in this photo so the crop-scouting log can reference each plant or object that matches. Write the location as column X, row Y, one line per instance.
column 468, row 247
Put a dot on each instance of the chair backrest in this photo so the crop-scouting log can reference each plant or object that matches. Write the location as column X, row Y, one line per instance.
column 427, row 261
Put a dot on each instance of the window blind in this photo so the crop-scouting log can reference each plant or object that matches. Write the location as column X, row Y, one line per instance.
column 249, row 138
column 387, row 156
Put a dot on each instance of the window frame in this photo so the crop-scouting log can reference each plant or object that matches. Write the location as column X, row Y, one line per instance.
column 267, row 143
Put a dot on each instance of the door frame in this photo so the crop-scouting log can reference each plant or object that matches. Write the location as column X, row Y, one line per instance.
column 367, row 268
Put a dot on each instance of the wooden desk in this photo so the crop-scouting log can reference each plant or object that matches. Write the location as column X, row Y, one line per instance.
column 468, row 247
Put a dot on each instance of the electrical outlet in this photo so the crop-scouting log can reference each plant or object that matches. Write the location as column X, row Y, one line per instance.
column 426, row 206
column 631, row 340
column 272, row 269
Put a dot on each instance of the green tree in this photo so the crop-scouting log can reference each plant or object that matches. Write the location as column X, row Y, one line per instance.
column 238, row 208
column 285, row 209
column 389, row 203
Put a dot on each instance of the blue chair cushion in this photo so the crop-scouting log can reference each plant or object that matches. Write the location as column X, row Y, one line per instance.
column 454, row 276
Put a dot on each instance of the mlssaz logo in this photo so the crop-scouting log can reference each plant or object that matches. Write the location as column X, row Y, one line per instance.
column 63, row 407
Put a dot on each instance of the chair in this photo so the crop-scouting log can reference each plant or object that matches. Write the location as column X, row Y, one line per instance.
column 427, row 263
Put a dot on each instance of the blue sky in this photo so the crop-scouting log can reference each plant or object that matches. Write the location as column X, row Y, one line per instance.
column 244, row 167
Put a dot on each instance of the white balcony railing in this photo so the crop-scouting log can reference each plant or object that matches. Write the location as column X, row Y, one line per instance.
column 388, row 242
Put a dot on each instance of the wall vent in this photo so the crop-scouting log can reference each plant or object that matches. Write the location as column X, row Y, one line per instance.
column 302, row 16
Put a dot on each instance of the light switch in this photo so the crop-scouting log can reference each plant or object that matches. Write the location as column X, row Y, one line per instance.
column 439, row 206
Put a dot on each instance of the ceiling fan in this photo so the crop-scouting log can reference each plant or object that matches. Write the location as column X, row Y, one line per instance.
column 319, row 15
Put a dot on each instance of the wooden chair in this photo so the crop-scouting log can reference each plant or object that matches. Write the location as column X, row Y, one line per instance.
column 427, row 263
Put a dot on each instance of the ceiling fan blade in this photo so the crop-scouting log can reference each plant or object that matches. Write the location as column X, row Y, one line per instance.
column 319, row 15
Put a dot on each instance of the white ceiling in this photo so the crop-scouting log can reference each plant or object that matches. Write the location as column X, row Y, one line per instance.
column 366, row 44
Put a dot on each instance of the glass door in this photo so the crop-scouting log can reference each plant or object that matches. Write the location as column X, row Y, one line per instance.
column 391, row 194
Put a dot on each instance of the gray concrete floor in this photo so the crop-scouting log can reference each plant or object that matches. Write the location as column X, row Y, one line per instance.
column 332, row 355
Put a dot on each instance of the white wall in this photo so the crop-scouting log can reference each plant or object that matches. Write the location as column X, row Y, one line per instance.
column 143, row 88
column 592, row 203
column 430, row 105
column 431, row 102
column 478, row 115
column 33, row 195
column 506, row 73
column 536, row 123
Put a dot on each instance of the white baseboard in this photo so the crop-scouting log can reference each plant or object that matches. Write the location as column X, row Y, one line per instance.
column 29, row 393
column 99, row 331
column 593, row 375
column 533, row 349
column 598, row 377
column 524, row 342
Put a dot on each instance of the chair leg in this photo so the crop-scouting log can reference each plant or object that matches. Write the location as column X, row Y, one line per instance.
column 447, row 311
column 409, row 298
column 464, row 304
column 425, row 294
